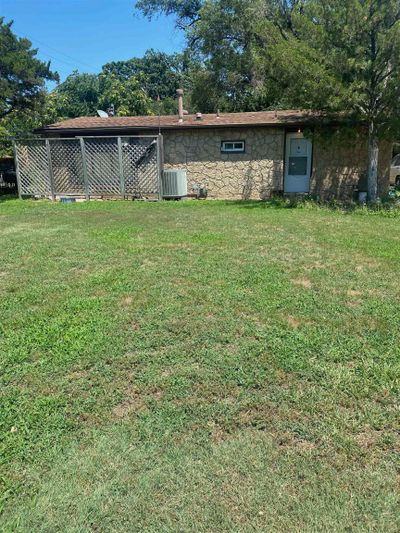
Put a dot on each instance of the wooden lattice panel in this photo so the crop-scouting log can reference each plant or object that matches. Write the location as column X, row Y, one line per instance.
column 66, row 158
column 33, row 168
column 140, row 167
column 102, row 166
column 90, row 166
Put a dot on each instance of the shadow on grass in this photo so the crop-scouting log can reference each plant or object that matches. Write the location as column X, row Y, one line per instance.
column 274, row 203
column 292, row 203
column 387, row 205
column 7, row 197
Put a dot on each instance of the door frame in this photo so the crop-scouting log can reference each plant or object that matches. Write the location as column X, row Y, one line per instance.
column 297, row 135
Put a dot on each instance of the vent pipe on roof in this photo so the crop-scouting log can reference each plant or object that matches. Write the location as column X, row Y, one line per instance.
column 199, row 116
column 179, row 93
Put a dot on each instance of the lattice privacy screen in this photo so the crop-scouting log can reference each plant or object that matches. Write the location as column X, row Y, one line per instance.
column 89, row 166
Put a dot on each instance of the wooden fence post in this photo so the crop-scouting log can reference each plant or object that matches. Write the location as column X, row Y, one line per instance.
column 121, row 168
column 84, row 168
column 160, row 164
column 15, row 149
column 51, row 174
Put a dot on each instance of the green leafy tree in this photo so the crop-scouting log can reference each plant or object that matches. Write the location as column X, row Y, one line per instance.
column 224, row 35
column 220, row 36
column 159, row 74
column 337, row 56
column 186, row 11
column 22, row 86
column 22, row 75
column 132, row 86
column 83, row 94
column 77, row 96
column 127, row 96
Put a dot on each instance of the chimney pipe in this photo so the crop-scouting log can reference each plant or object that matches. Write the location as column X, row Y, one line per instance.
column 179, row 93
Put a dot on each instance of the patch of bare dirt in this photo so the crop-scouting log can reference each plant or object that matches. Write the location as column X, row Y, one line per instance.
column 147, row 263
column 366, row 264
column 373, row 438
column 91, row 419
column 265, row 415
column 302, row 282
column 353, row 293
column 367, row 439
column 132, row 404
column 289, row 440
column 319, row 265
column 293, row 322
column 155, row 393
column 354, row 303
column 78, row 374
column 218, row 434
column 377, row 293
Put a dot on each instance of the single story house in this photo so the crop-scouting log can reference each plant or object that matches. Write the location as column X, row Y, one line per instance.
column 250, row 155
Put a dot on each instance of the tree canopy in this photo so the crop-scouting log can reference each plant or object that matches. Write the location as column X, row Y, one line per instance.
column 138, row 86
column 22, row 75
column 22, row 85
column 160, row 74
column 340, row 57
column 336, row 56
column 186, row 11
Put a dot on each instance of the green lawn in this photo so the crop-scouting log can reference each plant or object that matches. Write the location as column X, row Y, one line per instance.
column 205, row 367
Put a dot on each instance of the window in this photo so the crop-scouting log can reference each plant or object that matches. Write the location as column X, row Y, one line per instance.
column 229, row 147
column 297, row 166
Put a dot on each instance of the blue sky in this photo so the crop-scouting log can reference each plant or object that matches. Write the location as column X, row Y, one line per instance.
column 85, row 34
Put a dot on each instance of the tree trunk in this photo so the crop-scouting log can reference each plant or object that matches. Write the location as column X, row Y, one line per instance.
column 373, row 154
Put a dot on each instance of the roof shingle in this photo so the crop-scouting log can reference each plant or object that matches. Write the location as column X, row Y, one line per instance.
column 260, row 118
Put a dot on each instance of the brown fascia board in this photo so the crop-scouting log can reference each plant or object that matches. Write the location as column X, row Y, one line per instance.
column 130, row 131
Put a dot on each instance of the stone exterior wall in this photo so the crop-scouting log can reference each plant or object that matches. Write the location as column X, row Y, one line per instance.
column 340, row 166
column 254, row 174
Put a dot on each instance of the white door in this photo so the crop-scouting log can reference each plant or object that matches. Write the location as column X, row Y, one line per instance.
column 298, row 163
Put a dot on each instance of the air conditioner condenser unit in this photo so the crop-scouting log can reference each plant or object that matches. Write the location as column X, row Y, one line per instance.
column 174, row 184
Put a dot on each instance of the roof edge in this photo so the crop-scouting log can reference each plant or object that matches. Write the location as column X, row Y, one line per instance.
column 178, row 127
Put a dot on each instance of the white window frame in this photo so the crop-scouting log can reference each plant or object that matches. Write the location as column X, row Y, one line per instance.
column 233, row 150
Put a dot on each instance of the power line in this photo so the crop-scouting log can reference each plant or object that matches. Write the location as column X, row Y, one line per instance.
column 58, row 60
column 61, row 53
